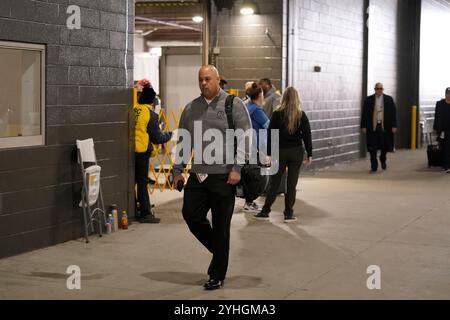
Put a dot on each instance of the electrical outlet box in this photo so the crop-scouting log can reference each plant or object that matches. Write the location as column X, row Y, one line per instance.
column 216, row 50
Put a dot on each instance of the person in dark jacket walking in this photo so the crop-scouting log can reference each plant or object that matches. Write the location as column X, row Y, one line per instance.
column 442, row 127
column 379, row 123
column 147, row 132
column 294, row 127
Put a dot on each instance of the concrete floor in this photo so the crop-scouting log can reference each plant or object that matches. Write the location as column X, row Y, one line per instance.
column 348, row 221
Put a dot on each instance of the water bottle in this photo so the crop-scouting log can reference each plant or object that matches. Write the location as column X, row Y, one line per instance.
column 109, row 224
column 124, row 220
column 115, row 215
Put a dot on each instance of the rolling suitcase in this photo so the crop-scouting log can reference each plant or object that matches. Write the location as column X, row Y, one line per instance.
column 434, row 153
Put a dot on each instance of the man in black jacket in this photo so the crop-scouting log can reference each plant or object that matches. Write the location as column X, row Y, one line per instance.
column 379, row 123
column 442, row 127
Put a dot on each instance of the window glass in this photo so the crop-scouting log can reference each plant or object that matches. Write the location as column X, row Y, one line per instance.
column 21, row 100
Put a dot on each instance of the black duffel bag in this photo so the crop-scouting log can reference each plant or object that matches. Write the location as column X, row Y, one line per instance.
column 252, row 181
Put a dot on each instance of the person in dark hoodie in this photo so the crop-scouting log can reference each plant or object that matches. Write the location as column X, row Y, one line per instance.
column 442, row 127
column 147, row 133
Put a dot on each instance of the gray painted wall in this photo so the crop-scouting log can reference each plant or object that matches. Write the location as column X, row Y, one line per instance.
column 354, row 50
column 329, row 34
column 87, row 95
column 391, row 58
column 383, row 46
column 334, row 36
column 246, row 52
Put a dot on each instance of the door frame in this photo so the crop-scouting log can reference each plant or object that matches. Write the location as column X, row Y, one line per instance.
column 172, row 51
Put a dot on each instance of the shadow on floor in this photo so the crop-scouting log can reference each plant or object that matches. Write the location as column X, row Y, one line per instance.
column 53, row 275
column 170, row 212
column 190, row 278
column 306, row 214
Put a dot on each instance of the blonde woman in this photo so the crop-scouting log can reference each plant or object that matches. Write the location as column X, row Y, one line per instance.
column 294, row 128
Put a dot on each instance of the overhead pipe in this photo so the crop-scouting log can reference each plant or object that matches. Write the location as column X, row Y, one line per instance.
column 206, row 31
column 170, row 24
column 149, row 32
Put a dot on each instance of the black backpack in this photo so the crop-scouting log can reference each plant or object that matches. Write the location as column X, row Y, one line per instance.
column 252, row 181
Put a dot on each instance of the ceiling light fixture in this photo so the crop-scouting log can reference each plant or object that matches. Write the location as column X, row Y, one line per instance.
column 247, row 11
column 197, row 19
column 248, row 8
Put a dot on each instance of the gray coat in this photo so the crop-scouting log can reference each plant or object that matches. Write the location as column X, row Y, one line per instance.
column 271, row 101
column 213, row 116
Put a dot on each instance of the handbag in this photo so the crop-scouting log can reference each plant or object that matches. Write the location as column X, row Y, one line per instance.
column 252, row 182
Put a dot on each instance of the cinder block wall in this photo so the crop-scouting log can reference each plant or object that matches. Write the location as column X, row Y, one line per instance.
column 88, row 94
column 329, row 34
column 250, row 46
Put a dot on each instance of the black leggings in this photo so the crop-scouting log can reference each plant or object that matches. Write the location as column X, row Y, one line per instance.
column 292, row 160
column 141, row 179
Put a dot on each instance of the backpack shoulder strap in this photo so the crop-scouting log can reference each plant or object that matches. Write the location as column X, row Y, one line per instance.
column 229, row 110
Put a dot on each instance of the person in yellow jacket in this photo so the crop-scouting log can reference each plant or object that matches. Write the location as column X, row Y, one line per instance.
column 147, row 133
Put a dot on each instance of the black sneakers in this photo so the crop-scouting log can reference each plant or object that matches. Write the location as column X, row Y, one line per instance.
column 289, row 219
column 149, row 219
column 383, row 165
column 265, row 216
column 213, row 284
column 262, row 216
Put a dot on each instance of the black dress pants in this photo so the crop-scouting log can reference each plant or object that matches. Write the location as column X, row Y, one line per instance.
column 446, row 150
column 291, row 159
column 379, row 142
column 141, row 179
column 216, row 195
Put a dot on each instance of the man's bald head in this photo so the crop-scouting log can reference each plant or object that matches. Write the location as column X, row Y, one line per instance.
column 210, row 68
column 209, row 81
